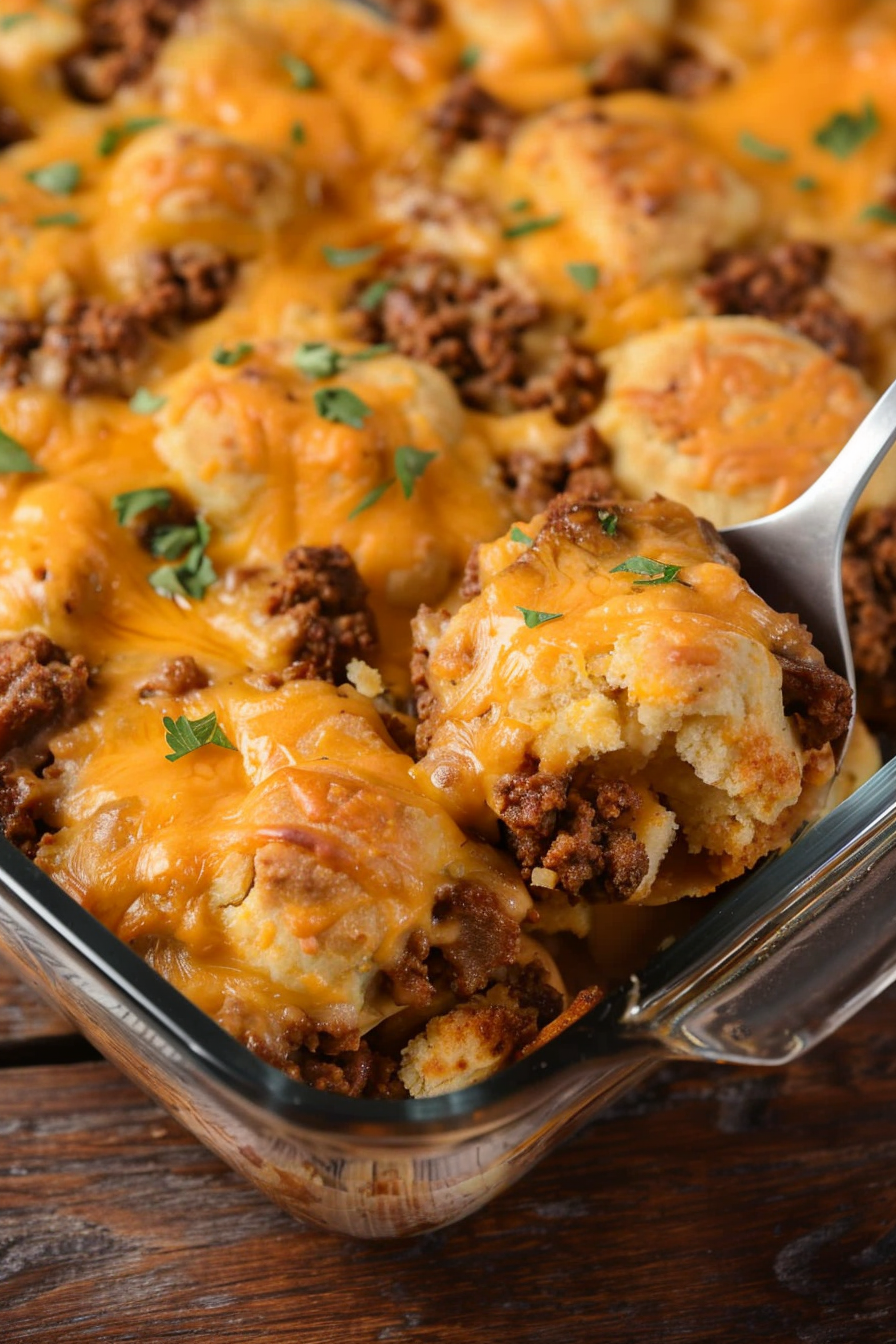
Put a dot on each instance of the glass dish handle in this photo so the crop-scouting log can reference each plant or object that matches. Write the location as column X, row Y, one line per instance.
column 792, row 953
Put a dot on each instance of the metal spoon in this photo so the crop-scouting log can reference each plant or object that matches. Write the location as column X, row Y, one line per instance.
column 793, row 558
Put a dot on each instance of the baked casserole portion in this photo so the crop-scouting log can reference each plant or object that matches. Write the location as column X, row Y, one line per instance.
column 371, row 386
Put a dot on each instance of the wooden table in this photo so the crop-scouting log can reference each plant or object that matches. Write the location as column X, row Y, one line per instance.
column 716, row 1205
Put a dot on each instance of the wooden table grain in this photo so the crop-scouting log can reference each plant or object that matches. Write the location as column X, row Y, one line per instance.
column 713, row 1206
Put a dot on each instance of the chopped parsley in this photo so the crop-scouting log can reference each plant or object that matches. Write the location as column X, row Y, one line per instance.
column 13, row 457
column 373, row 295
column 297, row 133
column 585, row 274
column 372, row 497
column 144, row 402
column 171, row 540
column 229, row 355
column 531, row 226
column 884, row 214
column 656, row 571
column 185, row 735
column 299, row 71
column 521, row 203
column 761, row 149
column 191, row 577
column 341, row 406
column 339, row 257
column 66, row 219
column 536, row 618
column 608, row 521
column 805, row 183
column 10, row 21
column 113, row 136
column 517, row 534
column 132, row 503
column 318, row 359
column 470, row 58
column 410, row 464
column 845, row 132
column 58, row 179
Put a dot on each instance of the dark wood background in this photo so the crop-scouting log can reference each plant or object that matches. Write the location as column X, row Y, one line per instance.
column 714, row 1205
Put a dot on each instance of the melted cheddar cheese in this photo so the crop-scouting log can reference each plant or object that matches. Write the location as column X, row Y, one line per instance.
column 192, row 259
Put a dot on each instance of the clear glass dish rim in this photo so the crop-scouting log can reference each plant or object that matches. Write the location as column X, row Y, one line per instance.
column 594, row 1037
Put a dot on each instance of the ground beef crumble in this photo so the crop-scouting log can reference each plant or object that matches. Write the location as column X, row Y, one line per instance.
column 468, row 112
column 122, row 41
column 680, row 72
column 473, row 933
column 174, row 677
column 786, row 285
column 576, row 826
column 474, row 329
column 12, row 127
column 418, row 15
column 819, row 699
column 869, row 588
column 84, row 346
column 40, row 686
column 582, row 471
column 324, row 593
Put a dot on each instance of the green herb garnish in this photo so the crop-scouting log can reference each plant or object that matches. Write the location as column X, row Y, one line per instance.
column 13, row 457
column 317, row 359
column 10, row 21
column 531, row 226
column 299, row 71
column 845, row 132
column 410, row 464
column 371, row 497
column 608, row 521
column 341, row 406
column 470, row 58
column 373, row 295
column 339, row 257
column 805, row 183
column 66, row 219
column 191, row 577
column 656, row 571
column 59, row 179
column 520, row 204
column 535, row 618
column 517, row 534
column 112, row 136
column 144, row 402
column 884, row 214
column 132, row 503
column 227, row 356
column 297, row 133
column 185, row 735
column 761, row 149
column 584, row 273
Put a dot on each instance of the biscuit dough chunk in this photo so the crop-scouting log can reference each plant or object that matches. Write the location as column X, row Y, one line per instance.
column 641, row 723
column 648, row 200
column 733, row 416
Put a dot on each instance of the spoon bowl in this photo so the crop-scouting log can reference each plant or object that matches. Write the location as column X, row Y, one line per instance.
column 793, row 558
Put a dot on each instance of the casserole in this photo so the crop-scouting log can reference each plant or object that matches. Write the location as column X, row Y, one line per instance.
column 314, row 448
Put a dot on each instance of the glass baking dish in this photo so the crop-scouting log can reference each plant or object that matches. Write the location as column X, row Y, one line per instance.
column 780, row 962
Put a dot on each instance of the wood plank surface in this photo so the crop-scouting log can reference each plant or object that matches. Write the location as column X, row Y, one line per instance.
column 716, row 1205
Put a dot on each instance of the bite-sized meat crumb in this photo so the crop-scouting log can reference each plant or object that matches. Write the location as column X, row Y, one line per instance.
column 869, row 589
column 576, row 826
column 18, row 808
column 409, row 977
column 40, row 687
column 327, row 598
column 187, row 283
column 122, row 40
column 418, row 15
column 423, row 696
column 90, row 346
column 348, row 1067
column 12, row 127
column 582, row 471
column 818, row 697
column 688, row 74
column 616, row 70
column 530, row 987
column 786, row 285
column 469, row 112
column 474, row 934
column 19, row 338
column 474, row 329
column 175, row 677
